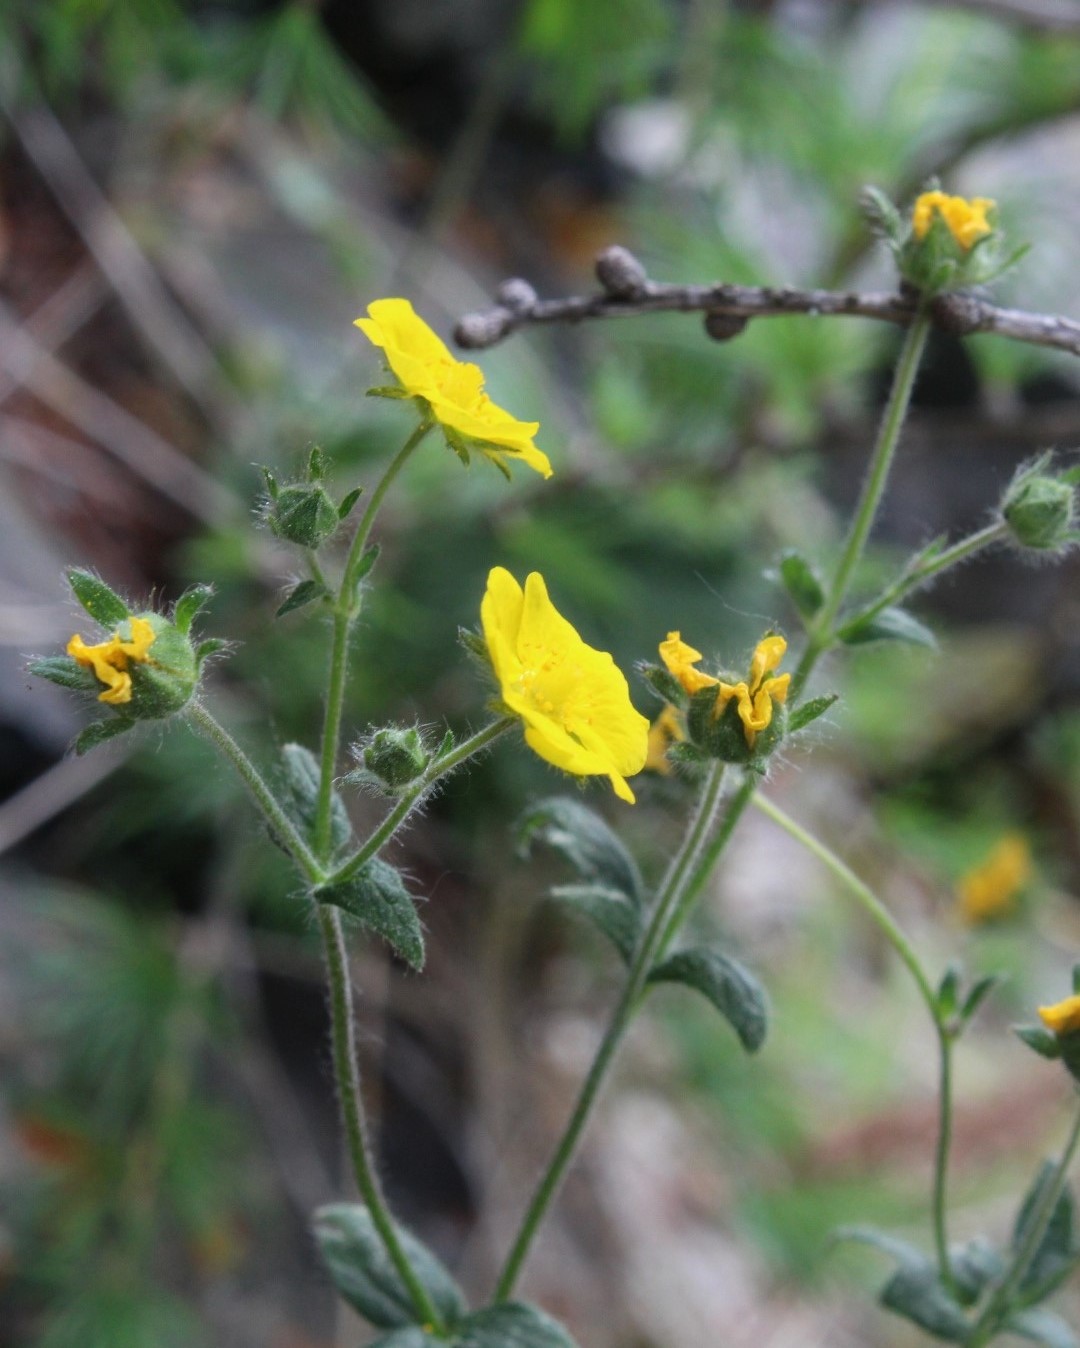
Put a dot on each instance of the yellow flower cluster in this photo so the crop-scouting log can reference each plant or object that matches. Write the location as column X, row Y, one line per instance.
column 966, row 220
column 109, row 659
column 453, row 389
column 755, row 696
column 990, row 889
column 573, row 700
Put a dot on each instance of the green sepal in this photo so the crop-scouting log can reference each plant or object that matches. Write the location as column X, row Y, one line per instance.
column 366, row 1277
column 916, row 1292
column 978, row 993
column 99, row 732
column 318, row 464
column 585, row 841
column 1044, row 1042
column 302, row 775
column 460, row 446
column 211, row 646
column 376, row 896
column 271, row 481
column 63, row 670
column 164, row 682
column 608, row 910
column 891, row 624
column 663, row 683
column 881, row 215
column 511, row 1324
column 367, row 560
column 190, row 605
column 304, row 593
column 735, row 992
column 687, row 759
column 1042, row 1326
column 807, row 712
column 1056, row 1252
column 803, row 587
column 445, row 745
column 348, row 501
column 103, row 604
column 948, row 991
column 388, row 391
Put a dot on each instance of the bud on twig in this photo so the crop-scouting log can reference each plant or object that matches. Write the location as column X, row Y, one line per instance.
column 722, row 327
column 517, row 295
column 620, row 273
column 476, row 331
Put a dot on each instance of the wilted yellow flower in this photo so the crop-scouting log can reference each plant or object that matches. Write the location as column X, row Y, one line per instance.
column 573, row 700
column 966, row 220
column 109, row 659
column 1062, row 1017
column 755, row 697
column 665, row 731
column 454, row 389
column 990, row 889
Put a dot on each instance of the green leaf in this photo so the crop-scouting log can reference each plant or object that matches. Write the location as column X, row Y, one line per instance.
column 974, row 1266
column 348, row 501
column 586, row 842
column 891, row 624
column 948, row 992
column 99, row 732
column 376, row 896
column 189, row 605
column 103, row 604
column 979, row 992
column 366, row 1277
column 1042, row 1326
column 302, row 774
column 63, row 670
column 1076, row 979
column 1056, row 1249
column 901, row 1250
column 609, row 910
column 916, row 1292
column 410, row 1337
column 803, row 587
column 809, row 711
column 733, row 990
column 513, row 1324
column 366, row 562
column 1045, row 1042
column 301, row 594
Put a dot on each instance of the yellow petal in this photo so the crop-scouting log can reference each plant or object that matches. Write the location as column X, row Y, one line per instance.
column 1062, row 1017
column 680, row 660
column 767, row 655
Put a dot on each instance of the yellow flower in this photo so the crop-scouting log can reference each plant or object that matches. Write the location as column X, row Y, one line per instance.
column 755, row 697
column 1062, row 1017
column 573, row 700
column 990, row 889
column 665, row 731
column 453, row 389
column 966, row 220
column 109, row 659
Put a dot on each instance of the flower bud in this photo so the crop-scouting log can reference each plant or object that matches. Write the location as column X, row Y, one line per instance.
column 396, row 756
column 1039, row 507
column 620, row 273
column 517, row 295
column 302, row 513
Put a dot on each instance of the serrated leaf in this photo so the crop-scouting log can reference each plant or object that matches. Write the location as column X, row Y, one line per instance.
column 1037, row 1037
column 366, row 1277
column 1056, row 1250
column 513, row 1324
column 299, row 595
column 189, row 605
column 891, row 624
column 348, row 501
column 376, row 896
column 301, row 780
column 803, row 587
column 901, row 1250
column 1042, row 1326
column 580, row 836
column 103, row 604
column 733, row 989
column 979, row 992
column 806, row 712
column 916, row 1292
column 63, row 670
column 100, row 732
column 609, row 910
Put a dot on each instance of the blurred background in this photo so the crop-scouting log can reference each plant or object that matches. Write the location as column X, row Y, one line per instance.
column 196, row 199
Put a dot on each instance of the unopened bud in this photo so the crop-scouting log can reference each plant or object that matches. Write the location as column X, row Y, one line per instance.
column 396, row 756
column 1040, row 508
column 302, row 513
column 620, row 273
column 475, row 331
column 722, row 327
column 517, row 295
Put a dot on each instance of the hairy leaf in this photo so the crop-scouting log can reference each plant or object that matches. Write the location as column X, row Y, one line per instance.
column 608, row 910
column 584, row 839
column 103, row 604
column 376, row 896
column 733, row 989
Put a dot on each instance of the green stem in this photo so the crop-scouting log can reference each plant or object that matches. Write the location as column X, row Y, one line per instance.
column 1000, row 1303
column 346, row 607
column 439, row 767
column 892, row 421
column 264, row 798
column 669, row 899
column 942, row 1148
column 347, row 1075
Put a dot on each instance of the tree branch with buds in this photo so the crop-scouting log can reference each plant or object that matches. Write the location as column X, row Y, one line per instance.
column 626, row 291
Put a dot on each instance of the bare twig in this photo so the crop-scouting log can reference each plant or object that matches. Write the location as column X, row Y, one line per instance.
column 627, row 292
column 1040, row 16
column 53, row 791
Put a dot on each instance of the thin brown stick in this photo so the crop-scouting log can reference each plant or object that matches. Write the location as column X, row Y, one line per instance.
column 626, row 292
